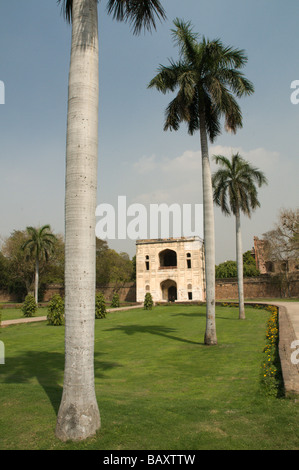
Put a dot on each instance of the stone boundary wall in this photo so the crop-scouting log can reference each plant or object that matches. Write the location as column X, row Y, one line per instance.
column 7, row 297
column 254, row 288
column 126, row 292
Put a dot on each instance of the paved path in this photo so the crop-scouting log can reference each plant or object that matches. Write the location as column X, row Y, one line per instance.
column 36, row 319
column 293, row 313
column 288, row 346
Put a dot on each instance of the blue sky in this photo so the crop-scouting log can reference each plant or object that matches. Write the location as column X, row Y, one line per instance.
column 136, row 157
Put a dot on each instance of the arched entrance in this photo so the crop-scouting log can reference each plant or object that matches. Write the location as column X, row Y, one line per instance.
column 169, row 290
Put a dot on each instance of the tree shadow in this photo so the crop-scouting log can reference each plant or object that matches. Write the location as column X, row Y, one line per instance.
column 153, row 330
column 48, row 369
column 198, row 314
column 203, row 315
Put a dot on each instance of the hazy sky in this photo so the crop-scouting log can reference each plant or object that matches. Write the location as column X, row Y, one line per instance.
column 137, row 159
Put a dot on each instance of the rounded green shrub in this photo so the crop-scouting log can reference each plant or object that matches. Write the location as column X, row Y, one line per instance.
column 29, row 306
column 56, row 311
column 100, row 307
column 148, row 301
column 115, row 300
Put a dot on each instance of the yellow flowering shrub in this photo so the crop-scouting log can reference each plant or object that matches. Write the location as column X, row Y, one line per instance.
column 271, row 371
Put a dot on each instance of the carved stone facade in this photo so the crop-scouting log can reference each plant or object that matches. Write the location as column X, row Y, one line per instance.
column 171, row 269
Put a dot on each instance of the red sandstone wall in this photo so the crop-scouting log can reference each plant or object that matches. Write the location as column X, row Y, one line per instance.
column 257, row 287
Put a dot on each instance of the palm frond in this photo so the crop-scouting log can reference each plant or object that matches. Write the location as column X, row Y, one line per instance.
column 207, row 78
column 141, row 14
column 66, row 9
column 168, row 78
column 184, row 37
column 212, row 118
column 236, row 178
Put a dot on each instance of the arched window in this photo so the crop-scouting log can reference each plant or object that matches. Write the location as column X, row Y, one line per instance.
column 147, row 262
column 270, row 267
column 147, row 288
column 189, row 288
column 168, row 259
column 188, row 260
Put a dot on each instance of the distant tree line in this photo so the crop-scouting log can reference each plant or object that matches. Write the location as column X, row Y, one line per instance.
column 229, row 268
column 18, row 263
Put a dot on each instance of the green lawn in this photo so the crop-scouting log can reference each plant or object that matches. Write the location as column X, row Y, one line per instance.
column 13, row 313
column 158, row 386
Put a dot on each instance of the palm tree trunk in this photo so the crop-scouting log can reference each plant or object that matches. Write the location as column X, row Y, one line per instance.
column 209, row 236
column 78, row 416
column 240, row 267
column 36, row 279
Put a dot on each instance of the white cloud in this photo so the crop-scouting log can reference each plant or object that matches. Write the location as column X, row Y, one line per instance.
column 145, row 164
column 259, row 157
column 189, row 161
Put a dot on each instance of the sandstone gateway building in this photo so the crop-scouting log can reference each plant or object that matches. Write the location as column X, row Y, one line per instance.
column 171, row 269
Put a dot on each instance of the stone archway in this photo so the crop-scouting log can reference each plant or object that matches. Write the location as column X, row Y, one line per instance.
column 169, row 290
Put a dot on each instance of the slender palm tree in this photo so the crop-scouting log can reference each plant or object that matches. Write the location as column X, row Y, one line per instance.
column 78, row 415
column 207, row 75
column 235, row 191
column 39, row 245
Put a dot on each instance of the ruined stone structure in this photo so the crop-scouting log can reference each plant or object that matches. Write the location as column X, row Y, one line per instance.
column 171, row 269
column 268, row 266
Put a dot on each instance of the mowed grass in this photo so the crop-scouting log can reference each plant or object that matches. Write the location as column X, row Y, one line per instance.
column 158, row 386
column 13, row 313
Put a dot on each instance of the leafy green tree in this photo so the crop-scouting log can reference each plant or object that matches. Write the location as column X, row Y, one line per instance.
column 111, row 267
column 228, row 269
column 39, row 246
column 102, row 263
column 4, row 272
column 207, row 76
column 249, row 265
column 78, row 405
column 235, row 191
column 133, row 276
column 20, row 268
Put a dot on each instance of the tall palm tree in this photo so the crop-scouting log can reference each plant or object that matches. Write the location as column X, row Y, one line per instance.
column 235, row 192
column 40, row 245
column 78, row 415
column 207, row 75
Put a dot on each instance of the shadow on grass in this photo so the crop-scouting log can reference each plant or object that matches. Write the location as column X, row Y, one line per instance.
column 47, row 368
column 203, row 315
column 190, row 315
column 153, row 330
